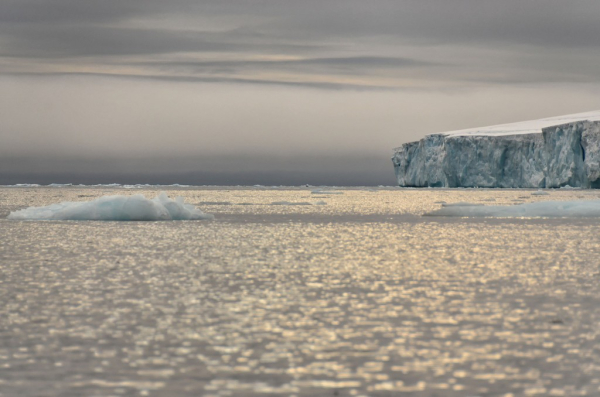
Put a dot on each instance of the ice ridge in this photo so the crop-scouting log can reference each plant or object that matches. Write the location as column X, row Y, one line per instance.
column 547, row 153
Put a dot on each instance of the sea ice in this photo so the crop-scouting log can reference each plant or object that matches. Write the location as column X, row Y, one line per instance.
column 115, row 208
column 290, row 203
column 545, row 209
column 321, row 191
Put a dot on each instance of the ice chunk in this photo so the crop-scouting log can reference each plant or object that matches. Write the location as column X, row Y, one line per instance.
column 545, row 209
column 115, row 208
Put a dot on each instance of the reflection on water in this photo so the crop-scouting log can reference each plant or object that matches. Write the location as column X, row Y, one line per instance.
column 358, row 297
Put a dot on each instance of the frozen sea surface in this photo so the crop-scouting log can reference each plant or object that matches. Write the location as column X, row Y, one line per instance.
column 360, row 296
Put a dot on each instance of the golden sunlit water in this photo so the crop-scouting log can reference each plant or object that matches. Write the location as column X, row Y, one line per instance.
column 296, row 292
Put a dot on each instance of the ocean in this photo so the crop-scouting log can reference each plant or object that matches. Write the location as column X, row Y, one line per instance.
column 300, row 291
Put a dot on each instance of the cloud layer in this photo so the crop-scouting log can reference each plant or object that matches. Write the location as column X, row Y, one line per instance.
column 334, row 44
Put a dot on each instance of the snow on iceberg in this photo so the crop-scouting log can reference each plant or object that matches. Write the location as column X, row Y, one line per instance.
column 545, row 153
column 545, row 209
column 115, row 208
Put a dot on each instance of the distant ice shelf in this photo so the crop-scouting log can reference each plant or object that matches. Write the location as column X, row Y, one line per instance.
column 546, row 153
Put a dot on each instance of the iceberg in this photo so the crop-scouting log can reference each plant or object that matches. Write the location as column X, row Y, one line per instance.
column 544, row 209
column 115, row 208
column 546, row 153
column 60, row 185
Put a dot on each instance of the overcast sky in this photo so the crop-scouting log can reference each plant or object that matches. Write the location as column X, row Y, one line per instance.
column 235, row 86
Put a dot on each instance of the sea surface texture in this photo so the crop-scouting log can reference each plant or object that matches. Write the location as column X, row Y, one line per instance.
column 300, row 292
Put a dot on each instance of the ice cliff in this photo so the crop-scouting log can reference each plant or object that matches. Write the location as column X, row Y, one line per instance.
column 545, row 153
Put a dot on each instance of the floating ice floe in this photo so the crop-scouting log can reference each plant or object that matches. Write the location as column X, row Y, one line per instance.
column 298, row 203
column 290, row 203
column 104, row 185
column 60, row 184
column 546, row 209
column 540, row 193
column 115, row 208
column 320, row 191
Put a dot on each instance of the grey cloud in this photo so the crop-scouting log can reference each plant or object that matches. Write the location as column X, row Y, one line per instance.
column 333, row 38
column 337, row 65
column 379, row 61
column 73, row 41
column 552, row 23
column 69, row 11
column 535, row 22
column 224, row 80
column 85, row 41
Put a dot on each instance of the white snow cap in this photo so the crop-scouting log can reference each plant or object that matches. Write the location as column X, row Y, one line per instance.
column 115, row 208
column 545, row 209
column 527, row 127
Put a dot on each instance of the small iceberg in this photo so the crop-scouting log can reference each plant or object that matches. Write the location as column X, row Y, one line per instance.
column 545, row 209
column 115, row 208
column 60, row 184
column 540, row 193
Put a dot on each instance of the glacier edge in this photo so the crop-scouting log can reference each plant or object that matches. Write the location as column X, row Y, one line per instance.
column 557, row 156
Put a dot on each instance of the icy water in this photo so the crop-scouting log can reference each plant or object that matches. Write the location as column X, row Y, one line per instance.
column 358, row 296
